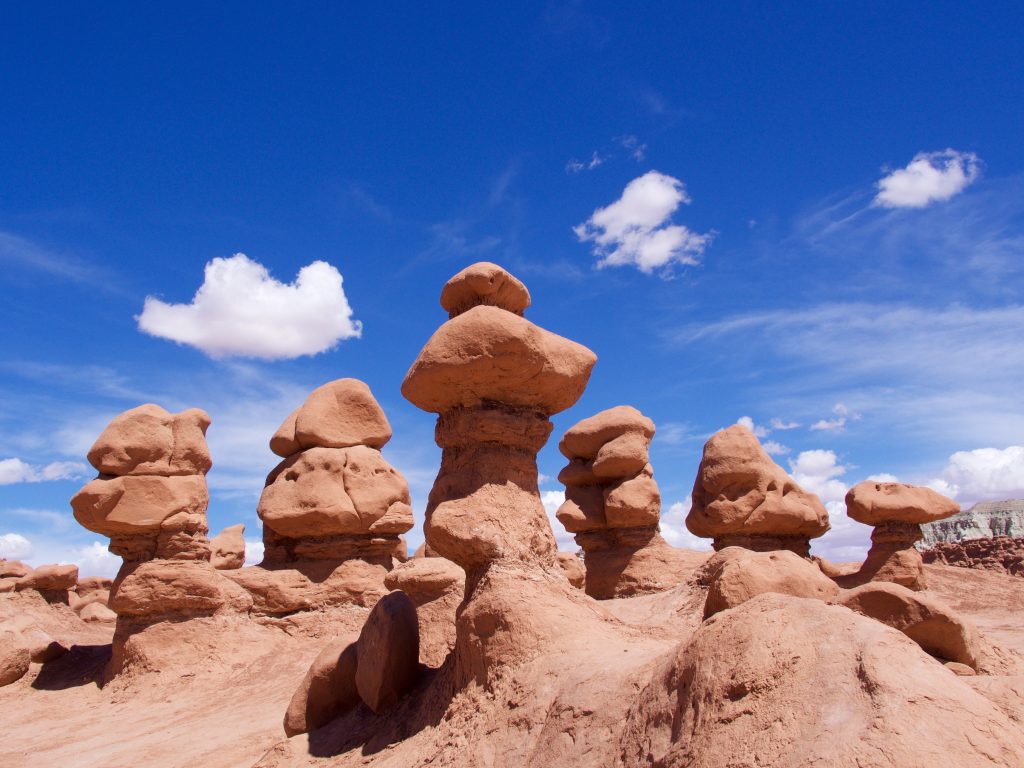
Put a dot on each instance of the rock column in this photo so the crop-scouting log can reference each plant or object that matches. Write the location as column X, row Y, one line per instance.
column 613, row 506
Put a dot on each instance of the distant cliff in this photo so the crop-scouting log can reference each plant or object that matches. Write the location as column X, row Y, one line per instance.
column 988, row 536
column 985, row 520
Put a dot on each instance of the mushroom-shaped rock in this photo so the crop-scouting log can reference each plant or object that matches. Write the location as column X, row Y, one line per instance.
column 487, row 284
column 227, row 548
column 388, row 652
column 743, row 498
column 149, row 440
column 737, row 574
column 489, row 355
column 13, row 569
column 896, row 511
column 932, row 625
column 327, row 690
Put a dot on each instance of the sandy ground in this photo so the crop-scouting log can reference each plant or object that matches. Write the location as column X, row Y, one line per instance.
column 220, row 700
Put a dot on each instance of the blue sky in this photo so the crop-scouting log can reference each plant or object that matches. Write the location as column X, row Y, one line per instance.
column 810, row 217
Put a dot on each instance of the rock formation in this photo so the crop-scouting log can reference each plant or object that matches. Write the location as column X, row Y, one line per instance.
column 613, row 506
column 1000, row 553
column 926, row 621
column 743, row 498
column 494, row 379
column 333, row 510
column 896, row 511
column 150, row 499
column 734, row 575
column 989, row 536
column 984, row 520
column 52, row 581
column 436, row 587
column 227, row 548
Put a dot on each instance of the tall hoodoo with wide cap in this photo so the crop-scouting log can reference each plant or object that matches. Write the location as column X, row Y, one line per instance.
column 493, row 378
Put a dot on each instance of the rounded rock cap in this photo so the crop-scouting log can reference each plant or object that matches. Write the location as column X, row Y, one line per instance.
column 874, row 503
column 488, row 355
column 484, row 283
column 584, row 439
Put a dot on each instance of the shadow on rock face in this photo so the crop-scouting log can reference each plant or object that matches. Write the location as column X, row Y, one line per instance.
column 424, row 707
column 82, row 665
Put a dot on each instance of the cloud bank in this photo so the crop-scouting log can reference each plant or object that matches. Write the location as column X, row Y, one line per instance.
column 931, row 177
column 241, row 311
column 636, row 229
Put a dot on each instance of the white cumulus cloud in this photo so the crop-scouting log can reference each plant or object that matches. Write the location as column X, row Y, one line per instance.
column 674, row 530
column 17, row 471
column 759, row 431
column 552, row 500
column 929, row 178
column 838, row 424
column 14, row 546
column 983, row 474
column 253, row 551
column 637, row 228
column 96, row 560
column 241, row 311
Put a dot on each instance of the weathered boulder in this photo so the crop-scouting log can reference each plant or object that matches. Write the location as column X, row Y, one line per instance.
column 227, row 548
column 15, row 658
column 735, row 575
column 388, row 655
column 327, row 690
column 47, row 578
column 743, row 498
column 97, row 613
column 13, row 569
column 436, row 587
column 151, row 441
column 926, row 621
column 574, row 569
column 485, row 284
column 341, row 414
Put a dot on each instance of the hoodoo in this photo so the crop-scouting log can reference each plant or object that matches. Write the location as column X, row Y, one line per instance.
column 743, row 498
column 613, row 506
column 896, row 511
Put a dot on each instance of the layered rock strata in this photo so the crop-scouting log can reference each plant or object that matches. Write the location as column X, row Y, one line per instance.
column 1000, row 553
column 743, row 498
column 613, row 506
column 896, row 511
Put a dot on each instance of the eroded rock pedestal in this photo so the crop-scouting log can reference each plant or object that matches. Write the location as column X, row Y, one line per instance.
column 494, row 378
column 896, row 510
column 742, row 498
column 613, row 506
column 150, row 499
column 333, row 510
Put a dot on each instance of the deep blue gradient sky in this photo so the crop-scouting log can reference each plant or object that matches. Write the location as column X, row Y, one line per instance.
column 400, row 143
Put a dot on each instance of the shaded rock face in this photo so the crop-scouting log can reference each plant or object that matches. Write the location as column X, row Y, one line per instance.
column 493, row 378
column 743, row 498
column 334, row 497
column 612, row 504
column 896, row 511
column 436, row 587
column 327, row 690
